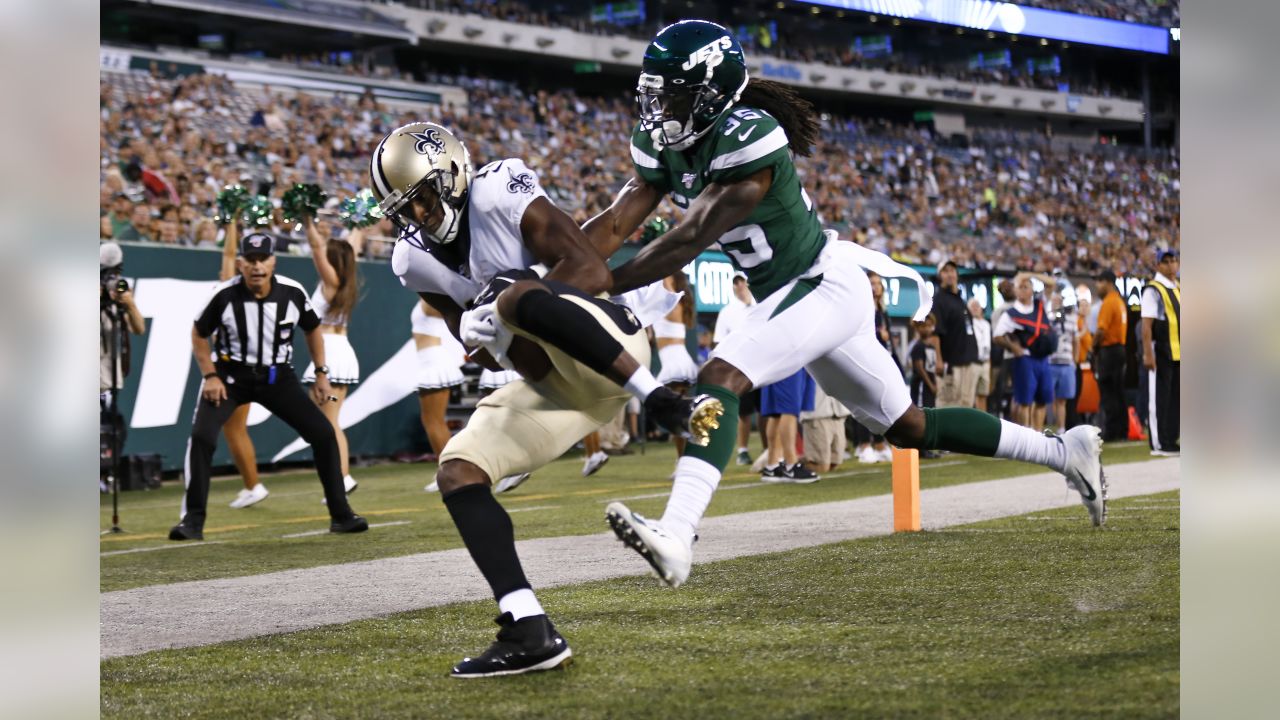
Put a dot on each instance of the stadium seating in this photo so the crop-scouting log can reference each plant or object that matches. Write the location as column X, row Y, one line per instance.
column 1003, row 198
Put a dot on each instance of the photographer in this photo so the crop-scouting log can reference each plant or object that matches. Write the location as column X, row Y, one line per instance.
column 116, row 313
column 116, row 310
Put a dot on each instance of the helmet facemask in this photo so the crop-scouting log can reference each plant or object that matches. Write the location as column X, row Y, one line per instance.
column 438, row 188
column 677, row 116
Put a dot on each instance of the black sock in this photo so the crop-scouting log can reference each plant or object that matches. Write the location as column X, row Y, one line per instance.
column 486, row 530
column 570, row 328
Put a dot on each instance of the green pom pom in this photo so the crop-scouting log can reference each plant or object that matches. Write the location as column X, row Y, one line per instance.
column 654, row 228
column 359, row 211
column 257, row 211
column 231, row 201
column 302, row 201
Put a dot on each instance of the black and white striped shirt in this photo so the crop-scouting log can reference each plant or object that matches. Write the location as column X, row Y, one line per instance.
column 253, row 331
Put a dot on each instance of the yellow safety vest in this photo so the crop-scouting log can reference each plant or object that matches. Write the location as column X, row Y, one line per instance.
column 1167, row 330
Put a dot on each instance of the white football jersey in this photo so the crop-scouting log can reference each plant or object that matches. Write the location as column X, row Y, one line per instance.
column 500, row 193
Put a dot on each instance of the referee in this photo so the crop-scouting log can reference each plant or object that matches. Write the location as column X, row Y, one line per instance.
column 254, row 315
column 1162, row 353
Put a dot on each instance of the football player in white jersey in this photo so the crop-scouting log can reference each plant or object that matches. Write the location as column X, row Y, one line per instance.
column 468, row 247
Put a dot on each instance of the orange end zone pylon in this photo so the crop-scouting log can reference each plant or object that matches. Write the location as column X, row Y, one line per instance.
column 906, row 490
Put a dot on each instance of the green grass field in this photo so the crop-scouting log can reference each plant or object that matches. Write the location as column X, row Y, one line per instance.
column 1032, row 616
column 556, row 501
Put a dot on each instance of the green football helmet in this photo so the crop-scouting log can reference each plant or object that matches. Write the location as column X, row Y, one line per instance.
column 692, row 73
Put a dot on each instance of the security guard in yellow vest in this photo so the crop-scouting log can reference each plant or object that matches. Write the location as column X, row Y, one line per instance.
column 1162, row 353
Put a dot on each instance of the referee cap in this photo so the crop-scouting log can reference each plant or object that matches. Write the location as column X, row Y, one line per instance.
column 257, row 244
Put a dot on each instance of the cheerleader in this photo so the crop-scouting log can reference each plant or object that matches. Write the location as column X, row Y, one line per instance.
column 236, row 429
column 679, row 372
column 440, row 358
column 333, row 300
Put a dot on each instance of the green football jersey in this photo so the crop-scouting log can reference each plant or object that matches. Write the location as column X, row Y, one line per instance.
column 782, row 237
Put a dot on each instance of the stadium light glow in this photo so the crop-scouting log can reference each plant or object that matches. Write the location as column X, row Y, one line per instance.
column 1016, row 20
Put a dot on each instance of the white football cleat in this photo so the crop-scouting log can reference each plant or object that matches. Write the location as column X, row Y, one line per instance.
column 1084, row 469
column 509, row 483
column 433, row 487
column 670, row 557
column 594, row 463
column 251, row 497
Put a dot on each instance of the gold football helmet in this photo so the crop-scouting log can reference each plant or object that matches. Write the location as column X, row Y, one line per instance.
column 422, row 156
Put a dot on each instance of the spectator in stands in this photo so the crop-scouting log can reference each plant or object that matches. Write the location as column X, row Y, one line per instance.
column 120, row 214
column 1026, row 333
column 959, row 381
column 1062, row 363
column 982, row 336
column 1109, row 359
column 871, row 448
column 780, row 405
column 139, row 226
column 924, row 363
column 823, row 430
column 999, row 361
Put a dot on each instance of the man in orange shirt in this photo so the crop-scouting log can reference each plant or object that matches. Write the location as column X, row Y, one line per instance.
column 1109, row 359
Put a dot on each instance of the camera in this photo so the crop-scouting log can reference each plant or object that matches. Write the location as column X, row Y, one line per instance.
column 112, row 282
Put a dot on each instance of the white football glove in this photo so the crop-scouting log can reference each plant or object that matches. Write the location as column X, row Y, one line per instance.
column 482, row 327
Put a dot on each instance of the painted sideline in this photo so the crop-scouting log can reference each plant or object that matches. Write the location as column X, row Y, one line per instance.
column 198, row 613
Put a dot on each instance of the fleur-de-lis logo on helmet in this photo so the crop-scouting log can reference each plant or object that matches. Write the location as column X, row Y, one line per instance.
column 428, row 141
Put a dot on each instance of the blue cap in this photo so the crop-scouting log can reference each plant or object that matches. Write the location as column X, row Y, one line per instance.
column 1162, row 255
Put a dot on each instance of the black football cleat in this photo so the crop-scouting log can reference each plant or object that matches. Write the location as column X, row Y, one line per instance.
column 353, row 524
column 182, row 531
column 690, row 418
column 525, row 645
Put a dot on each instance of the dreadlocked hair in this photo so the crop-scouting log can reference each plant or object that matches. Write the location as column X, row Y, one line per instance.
column 796, row 115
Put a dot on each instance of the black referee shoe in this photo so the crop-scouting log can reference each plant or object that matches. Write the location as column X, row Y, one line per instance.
column 353, row 524
column 525, row 645
column 182, row 531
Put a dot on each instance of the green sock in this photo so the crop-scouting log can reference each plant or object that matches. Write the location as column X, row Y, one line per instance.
column 964, row 430
column 723, row 439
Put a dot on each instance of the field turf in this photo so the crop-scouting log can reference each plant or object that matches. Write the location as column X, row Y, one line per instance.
column 556, row 501
column 1023, row 617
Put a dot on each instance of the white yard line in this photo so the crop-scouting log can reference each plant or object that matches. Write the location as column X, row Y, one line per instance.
column 210, row 611
column 170, row 546
column 313, row 533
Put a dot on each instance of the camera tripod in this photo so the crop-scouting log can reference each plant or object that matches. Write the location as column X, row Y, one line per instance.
column 114, row 473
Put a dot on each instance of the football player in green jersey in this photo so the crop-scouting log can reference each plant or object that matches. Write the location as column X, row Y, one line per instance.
column 721, row 145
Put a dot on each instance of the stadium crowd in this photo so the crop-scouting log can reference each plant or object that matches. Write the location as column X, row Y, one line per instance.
column 1012, row 200
column 811, row 40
